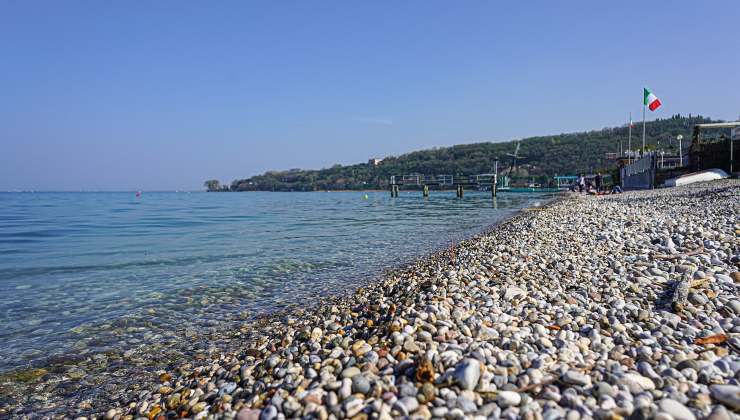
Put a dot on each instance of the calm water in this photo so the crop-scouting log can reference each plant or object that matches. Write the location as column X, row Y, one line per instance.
column 86, row 272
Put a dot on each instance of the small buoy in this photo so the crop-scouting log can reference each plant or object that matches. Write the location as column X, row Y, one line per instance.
column 366, row 197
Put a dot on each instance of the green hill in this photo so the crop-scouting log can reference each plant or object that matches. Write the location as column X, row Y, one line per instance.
column 541, row 157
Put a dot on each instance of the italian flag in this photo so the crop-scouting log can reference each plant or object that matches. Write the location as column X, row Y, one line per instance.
column 651, row 100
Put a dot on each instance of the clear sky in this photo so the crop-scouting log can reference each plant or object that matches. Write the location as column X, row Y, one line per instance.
column 165, row 94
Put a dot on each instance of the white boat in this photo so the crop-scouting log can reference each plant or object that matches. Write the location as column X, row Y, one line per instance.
column 701, row 176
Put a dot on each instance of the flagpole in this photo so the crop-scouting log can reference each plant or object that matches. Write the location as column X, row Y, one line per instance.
column 629, row 142
column 643, row 127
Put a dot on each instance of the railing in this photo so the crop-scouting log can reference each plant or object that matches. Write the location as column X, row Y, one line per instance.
column 640, row 174
column 671, row 162
column 639, row 166
column 418, row 179
column 425, row 181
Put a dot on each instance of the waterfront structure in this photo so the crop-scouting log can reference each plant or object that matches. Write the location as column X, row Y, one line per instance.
column 564, row 182
column 713, row 150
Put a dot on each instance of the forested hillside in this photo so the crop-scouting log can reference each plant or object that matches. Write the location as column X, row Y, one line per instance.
column 541, row 157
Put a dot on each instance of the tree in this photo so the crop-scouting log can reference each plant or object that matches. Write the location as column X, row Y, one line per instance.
column 564, row 153
column 212, row 185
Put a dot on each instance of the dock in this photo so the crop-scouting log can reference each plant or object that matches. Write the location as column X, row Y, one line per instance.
column 460, row 183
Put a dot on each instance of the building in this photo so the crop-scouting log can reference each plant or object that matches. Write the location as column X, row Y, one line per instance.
column 374, row 161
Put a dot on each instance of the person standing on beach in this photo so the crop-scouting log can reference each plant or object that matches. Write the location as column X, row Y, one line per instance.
column 599, row 181
column 581, row 183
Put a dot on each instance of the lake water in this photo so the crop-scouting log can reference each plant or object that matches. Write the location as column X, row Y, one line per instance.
column 96, row 272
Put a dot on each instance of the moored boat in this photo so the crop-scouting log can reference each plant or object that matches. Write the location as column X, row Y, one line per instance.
column 701, row 176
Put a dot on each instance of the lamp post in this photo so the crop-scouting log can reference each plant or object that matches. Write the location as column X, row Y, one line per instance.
column 679, row 138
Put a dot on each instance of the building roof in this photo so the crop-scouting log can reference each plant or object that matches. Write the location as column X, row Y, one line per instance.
column 719, row 125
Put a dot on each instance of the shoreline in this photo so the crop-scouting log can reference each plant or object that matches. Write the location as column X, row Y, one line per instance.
column 446, row 335
column 17, row 383
column 410, row 190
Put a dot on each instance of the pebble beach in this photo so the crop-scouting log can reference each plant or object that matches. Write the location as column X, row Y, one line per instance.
column 621, row 306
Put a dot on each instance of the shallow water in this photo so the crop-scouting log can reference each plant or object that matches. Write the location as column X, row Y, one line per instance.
column 96, row 272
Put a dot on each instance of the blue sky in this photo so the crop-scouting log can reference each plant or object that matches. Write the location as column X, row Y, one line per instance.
column 166, row 94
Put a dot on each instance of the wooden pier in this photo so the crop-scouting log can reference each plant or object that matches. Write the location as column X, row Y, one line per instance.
column 444, row 182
